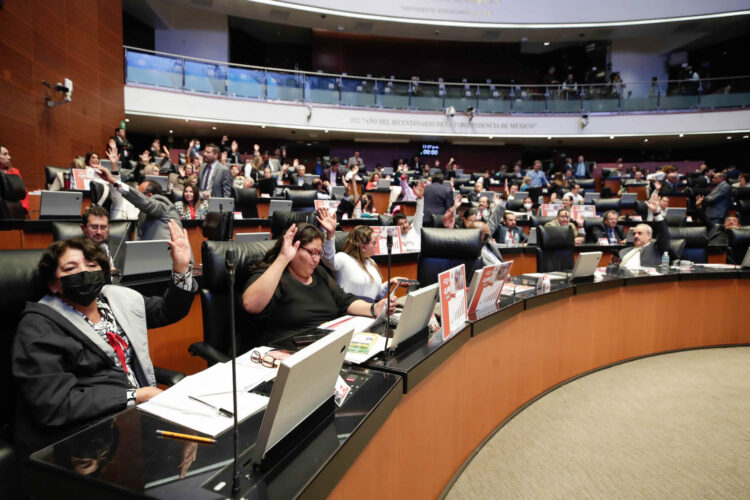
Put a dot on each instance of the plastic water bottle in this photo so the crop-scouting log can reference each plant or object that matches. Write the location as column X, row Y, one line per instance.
column 508, row 239
column 665, row 261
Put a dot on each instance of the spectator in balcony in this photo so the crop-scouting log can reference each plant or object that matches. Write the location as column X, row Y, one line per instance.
column 538, row 179
column 191, row 206
column 550, row 78
column 654, row 90
column 569, row 89
column 356, row 160
column 616, row 86
column 333, row 175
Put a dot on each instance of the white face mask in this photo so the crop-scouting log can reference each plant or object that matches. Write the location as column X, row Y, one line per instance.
column 527, row 206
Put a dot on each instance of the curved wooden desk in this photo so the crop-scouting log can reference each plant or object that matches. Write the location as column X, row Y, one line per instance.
column 442, row 421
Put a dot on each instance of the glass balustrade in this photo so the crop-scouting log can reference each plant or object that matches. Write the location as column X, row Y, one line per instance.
column 151, row 69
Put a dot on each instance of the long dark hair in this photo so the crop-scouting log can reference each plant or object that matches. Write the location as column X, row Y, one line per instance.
column 196, row 195
column 305, row 234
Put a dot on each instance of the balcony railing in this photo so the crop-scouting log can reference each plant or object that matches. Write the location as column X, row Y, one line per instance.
column 198, row 76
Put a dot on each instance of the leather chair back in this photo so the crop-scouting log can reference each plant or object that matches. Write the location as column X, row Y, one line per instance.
column 555, row 251
column 540, row 220
column 19, row 283
column 436, row 220
column 465, row 190
column 118, row 231
column 50, row 173
column 641, row 209
column 743, row 211
column 587, row 184
column 340, row 239
column 218, row 226
column 12, row 191
column 739, row 241
column 588, row 225
column 675, row 220
column 302, row 201
column 281, row 220
column 387, row 220
column 215, row 292
column 443, row 249
column 246, row 200
column 602, row 205
column 100, row 195
column 514, row 205
column 741, row 193
column 176, row 195
column 695, row 242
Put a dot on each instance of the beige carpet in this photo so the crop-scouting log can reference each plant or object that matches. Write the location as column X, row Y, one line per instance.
column 669, row 426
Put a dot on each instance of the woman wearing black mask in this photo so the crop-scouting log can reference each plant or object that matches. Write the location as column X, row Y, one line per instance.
column 81, row 352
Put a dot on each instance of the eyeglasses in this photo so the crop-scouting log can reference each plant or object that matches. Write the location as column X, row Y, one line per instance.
column 94, row 227
column 264, row 359
column 313, row 253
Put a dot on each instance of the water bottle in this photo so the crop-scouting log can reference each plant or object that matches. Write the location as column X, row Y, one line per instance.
column 508, row 239
column 516, row 239
column 665, row 261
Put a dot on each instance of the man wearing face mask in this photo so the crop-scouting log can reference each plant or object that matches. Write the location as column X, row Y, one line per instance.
column 81, row 353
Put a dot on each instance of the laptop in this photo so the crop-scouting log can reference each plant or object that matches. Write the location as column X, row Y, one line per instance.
column 585, row 266
column 417, row 311
column 161, row 180
column 60, row 204
column 387, row 171
column 221, row 204
column 489, row 194
column 338, row 192
column 248, row 237
column 628, row 198
column 279, row 206
column 746, row 260
column 309, row 178
column 676, row 213
column 588, row 198
column 384, row 184
column 146, row 256
column 305, row 381
column 532, row 237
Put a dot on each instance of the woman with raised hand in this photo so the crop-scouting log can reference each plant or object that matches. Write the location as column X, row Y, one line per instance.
column 288, row 293
column 355, row 270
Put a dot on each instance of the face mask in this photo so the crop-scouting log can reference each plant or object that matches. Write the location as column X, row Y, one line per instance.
column 527, row 206
column 82, row 288
column 198, row 147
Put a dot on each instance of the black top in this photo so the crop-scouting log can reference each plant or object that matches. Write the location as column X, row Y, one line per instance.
column 296, row 308
column 438, row 198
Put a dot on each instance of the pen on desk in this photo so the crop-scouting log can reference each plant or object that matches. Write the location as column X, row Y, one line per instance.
column 222, row 411
column 189, row 437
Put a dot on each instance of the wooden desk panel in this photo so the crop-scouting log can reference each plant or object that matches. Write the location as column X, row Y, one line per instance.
column 263, row 205
column 195, row 235
column 168, row 345
column 380, row 200
column 639, row 190
column 613, row 184
column 438, row 425
column 11, row 239
column 36, row 240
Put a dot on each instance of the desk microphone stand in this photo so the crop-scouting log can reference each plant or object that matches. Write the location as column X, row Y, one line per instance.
column 389, row 245
column 231, row 265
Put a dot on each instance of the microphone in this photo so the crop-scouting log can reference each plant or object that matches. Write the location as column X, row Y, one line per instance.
column 119, row 244
column 231, row 265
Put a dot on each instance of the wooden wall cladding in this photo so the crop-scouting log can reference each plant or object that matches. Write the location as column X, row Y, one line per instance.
column 42, row 40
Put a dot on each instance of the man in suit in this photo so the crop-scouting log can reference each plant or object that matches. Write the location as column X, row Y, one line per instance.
column 670, row 186
column 649, row 245
column 609, row 229
column 717, row 233
column 438, row 198
column 123, row 144
column 717, row 201
column 509, row 227
column 356, row 160
column 214, row 179
column 297, row 178
column 333, row 175
column 156, row 209
column 582, row 169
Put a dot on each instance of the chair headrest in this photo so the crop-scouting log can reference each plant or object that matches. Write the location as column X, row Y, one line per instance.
column 553, row 237
column 302, row 199
column 695, row 237
column 214, row 255
column 243, row 197
column 540, row 220
column 451, row 243
column 281, row 220
column 607, row 204
column 218, row 226
column 739, row 236
column 19, row 283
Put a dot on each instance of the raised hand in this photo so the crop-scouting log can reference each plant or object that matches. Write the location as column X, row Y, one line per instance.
column 657, row 185
column 256, row 147
column 419, row 190
column 105, row 174
column 288, row 248
column 327, row 220
column 653, row 202
column 457, row 202
column 449, row 219
column 698, row 200
column 179, row 246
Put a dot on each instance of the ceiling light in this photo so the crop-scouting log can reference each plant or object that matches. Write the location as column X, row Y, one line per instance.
column 745, row 136
column 645, row 140
column 213, row 128
column 127, row 120
column 611, row 136
column 262, row 126
column 491, row 137
column 729, row 137
column 187, row 120
column 326, row 131
column 171, row 131
column 546, row 44
column 549, row 137
column 682, row 135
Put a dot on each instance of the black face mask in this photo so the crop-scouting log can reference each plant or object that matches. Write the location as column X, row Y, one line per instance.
column 82, row 288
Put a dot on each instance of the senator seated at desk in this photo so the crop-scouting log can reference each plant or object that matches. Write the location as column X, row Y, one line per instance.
column 289, row 293
column 649, row 245
column 81, row 352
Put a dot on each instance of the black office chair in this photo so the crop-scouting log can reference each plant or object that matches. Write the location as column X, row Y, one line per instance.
column 435, row 221
column 302, row 201
column 176, row 195
column 118, row 231
column 218, row 226
column 281, row 220
column 340, row 239
column 741, row 193
column 555, row 249
column 695, row 239
column 588, row 185
column 676, row 249
column 465, row 190
column 589, row 223
column 214, row 294
column 100, row 195
column 514, row 205
column 743, row 212
column 443, row 249
column 602, row 205
column 674, row 220
column 50, row 173
column 739, row 241
column 246, row 201
column 540, row 220
column 641, row 209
